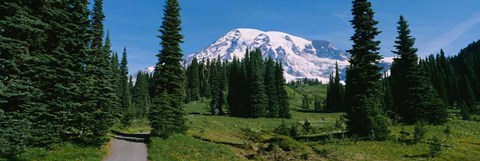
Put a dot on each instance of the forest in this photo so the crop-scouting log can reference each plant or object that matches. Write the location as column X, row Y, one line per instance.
column 62, row 88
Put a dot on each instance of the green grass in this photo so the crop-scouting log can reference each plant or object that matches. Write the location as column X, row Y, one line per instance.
column 63, row 152
column 198, row 107
column 464, row 144
column 135, row 126
column 181, row 147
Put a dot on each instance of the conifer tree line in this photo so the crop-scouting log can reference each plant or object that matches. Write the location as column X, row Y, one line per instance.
column 60, row 80
column 416, row 90
column 251, row 87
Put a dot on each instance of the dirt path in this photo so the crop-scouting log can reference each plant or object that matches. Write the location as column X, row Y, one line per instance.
column 128, row 147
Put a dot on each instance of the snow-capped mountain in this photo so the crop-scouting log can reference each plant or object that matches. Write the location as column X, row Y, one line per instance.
column 301, row 58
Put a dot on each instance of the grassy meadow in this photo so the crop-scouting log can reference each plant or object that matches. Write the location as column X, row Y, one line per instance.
column 63, row 152
column 230, row 138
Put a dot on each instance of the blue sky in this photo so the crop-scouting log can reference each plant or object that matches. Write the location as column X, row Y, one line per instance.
column 447, row 24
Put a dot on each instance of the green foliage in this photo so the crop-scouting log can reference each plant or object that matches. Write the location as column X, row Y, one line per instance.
column 256, row 88
column 14, row 134
column 64, row 152
column 271, row 89
column 419, row 132
column 435, row 147
column 217, row 87
column 363, row 92
column 193, row 81
column 415, row 98
column 140, row 97
column 307, row 127
column 306, row 102
column 282, row 129
column 255, row 85
column 335, row 93
column 165, row 118
column 166, row 114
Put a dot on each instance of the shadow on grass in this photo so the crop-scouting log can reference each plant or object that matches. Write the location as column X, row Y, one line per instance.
column 417, row 156
column 306, row 111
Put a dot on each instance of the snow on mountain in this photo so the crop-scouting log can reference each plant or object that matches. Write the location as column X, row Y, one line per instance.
column 301, row 58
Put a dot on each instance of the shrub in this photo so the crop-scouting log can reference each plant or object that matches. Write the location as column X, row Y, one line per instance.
column 435, row 147
column 282, row 129
column 419, row 132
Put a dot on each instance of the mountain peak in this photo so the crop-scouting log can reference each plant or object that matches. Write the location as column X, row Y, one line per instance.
column 301, row 58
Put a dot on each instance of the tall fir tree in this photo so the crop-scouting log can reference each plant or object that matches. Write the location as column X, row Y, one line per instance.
column 388, row 98
column 140, row 96
column 363, row 86
column 166, row 114
column 335, row 94
column 256, row 88
column 218, row 98
column 193, row 81
column 236, row 92
column 283, row 103
column 270, row 89
column 415, row 98
column 21, row 37
column 124, row 85
column 99, row 93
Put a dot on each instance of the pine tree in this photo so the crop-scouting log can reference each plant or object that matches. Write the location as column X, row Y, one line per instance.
column 21, row 37
column 166, row 116
column 218, row 97
column 193, row 81
column 335, row 93
column 388, row 98
column 255, row 85
column 467, row 94
column 100, row 96
column 236, row 92
column 283, row 103
column 124, row 82
column 140, row 96
column 414, row 96
column 270, row 89
column 363, row 86
column 63, row 67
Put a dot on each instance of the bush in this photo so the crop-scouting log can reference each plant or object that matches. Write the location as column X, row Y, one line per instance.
column 307, row 127
column 294, row 131
column 286, row 144
column 282, row 129
column 435, row 147
column 404, row 135
column 419, row 132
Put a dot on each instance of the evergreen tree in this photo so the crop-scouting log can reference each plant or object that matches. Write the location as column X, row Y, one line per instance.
column 124, row 82
column 218, row 98
column 63, row 66
column 166, row 115
column 450, row 79
column 270, row 89
column 283, row 104
column 100, row 96
column 388, row 98
column 414, row 96
column 255, row 84
column 236, row 92
column 335, row 94
column 140, row 96
column 193, row 81
column 363, row 86
column 467, row 94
